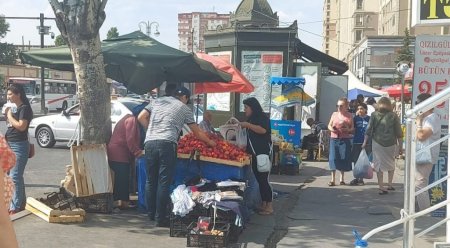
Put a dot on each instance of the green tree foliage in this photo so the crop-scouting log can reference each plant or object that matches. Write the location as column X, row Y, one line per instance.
column 59, row 41
column 405, row 54
column 4, row 27
column 8, row 54
column 112, row 33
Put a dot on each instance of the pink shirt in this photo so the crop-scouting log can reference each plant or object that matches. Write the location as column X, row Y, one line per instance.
column 340, row 121
column 124, row 143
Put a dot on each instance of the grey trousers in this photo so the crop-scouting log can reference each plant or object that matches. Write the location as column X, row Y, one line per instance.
column 423, row 172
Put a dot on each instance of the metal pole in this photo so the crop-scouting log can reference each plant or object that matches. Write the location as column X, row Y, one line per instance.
column 403, row 97
column 42, row 33
column 448, row 207
column 410, row 173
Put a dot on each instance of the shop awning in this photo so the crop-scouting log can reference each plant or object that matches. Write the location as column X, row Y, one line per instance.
column 314, row 55
column 288, row 80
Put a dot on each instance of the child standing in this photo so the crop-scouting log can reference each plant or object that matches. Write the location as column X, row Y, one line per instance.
column 361, row 121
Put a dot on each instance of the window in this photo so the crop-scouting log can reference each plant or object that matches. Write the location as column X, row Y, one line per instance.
column 359, row 4
column 358, row 35
column 359, row 20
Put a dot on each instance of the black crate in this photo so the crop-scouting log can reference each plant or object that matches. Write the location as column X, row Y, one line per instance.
column 98, row 203
column 223, row 215
column 197, row 239
column 179, row 225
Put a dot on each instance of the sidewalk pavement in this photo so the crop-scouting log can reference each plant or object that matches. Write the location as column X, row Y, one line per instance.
column 308, row 213
column 325, row 216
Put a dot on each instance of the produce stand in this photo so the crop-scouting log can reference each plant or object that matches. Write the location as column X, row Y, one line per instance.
column 286, row 134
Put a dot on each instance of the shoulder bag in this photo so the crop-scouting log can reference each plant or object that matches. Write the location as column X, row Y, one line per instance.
column 424, row 156
column 263, row 163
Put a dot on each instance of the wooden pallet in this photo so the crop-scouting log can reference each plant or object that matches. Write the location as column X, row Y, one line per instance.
column 54, row 216
column 91, row 170
column 241, row 163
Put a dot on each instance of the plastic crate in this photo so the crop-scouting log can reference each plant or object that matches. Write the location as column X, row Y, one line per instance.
column 224, row 216
column 179, row 225
column 98, row 203
column 197, row 239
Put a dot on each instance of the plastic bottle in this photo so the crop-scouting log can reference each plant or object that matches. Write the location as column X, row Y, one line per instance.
column 359, row 243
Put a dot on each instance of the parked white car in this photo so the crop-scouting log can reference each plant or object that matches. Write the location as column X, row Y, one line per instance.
column 62, row 127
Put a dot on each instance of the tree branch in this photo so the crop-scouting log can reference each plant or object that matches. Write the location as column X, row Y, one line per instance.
column 60, row 15
column 101, row 14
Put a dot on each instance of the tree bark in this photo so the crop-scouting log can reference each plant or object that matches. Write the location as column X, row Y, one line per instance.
column 79, row 22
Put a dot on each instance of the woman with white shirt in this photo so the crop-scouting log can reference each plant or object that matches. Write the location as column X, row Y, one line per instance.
column 428, row 131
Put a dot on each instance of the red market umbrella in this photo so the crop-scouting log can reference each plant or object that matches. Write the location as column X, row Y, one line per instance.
column 238, row 81
column 396, row 90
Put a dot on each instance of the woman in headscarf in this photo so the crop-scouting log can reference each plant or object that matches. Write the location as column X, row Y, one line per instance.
column 259, row 142
column 386, row 134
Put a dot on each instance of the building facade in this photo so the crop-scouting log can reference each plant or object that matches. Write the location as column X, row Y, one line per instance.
column 373, row 59
column 192, row 27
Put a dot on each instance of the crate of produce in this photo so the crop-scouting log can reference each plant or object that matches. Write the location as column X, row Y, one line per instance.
column 228, row 216
column 216, row 237
column 179, row 225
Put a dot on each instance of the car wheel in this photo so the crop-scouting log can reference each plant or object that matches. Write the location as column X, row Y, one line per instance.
column 45, row 138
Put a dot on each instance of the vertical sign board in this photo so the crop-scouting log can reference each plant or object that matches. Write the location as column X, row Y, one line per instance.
column 219, row 101
column 431, row 75
column 259, row 67
column 311, row 72
column 287, row 131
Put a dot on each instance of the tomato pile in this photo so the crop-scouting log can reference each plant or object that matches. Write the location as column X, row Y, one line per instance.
column 223, row 149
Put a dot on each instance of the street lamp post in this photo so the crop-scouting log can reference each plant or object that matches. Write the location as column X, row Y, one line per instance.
column 43, row 30
column 402, row 68
column 148, row 28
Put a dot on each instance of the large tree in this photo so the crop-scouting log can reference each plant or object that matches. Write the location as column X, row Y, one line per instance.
column 59, row 41
column 79, row 23
column 112, row 33
column 405, row 54
column 8, row 54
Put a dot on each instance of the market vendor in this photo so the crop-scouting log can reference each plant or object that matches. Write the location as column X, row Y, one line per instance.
column 311, row 140
column 206, row 125
column 164, row 119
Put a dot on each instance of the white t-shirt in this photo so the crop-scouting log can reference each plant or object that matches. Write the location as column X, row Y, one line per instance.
column 432, row 121
column 370, row 109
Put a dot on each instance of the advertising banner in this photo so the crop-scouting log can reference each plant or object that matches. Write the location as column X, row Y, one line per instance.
column 432, row 12
column 286, row 131
column 219, row 101
column 259, row 67
column 432, row 75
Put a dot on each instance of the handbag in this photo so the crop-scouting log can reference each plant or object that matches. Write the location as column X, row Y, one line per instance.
column 31, row 151
column 263, row 163
column 424, row 156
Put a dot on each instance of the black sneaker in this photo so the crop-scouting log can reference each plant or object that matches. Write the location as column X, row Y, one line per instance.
column 354, row 182
column 360, row 182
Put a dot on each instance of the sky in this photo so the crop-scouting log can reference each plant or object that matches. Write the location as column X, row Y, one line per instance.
column 127, row 14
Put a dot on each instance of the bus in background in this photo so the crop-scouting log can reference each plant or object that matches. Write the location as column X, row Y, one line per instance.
column 59, row 94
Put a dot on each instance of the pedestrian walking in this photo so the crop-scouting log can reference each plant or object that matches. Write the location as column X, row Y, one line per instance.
column 342, row 128
column 428, row 131
column 18, row 120
column 164, row 119
column 386, row 135
column 260, row 142
column 361, row 121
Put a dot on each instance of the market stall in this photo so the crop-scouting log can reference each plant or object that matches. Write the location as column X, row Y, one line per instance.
column 286, row 134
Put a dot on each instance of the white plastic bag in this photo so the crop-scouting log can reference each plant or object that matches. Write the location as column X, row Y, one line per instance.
column 363, row 169
column 241, row 138
column 230, row 130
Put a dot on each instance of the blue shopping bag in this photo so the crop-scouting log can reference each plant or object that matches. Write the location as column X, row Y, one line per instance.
column 141, row 169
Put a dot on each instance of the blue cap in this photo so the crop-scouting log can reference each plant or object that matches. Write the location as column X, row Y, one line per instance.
column 183, row 91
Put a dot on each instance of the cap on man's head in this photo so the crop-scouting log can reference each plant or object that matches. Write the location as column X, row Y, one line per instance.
column 183, row 91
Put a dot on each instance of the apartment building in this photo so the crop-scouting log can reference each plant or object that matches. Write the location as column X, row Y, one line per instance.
column 192, row 26
column 330, row 43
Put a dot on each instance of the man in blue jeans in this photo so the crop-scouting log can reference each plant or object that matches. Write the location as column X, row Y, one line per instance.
column 164, row 118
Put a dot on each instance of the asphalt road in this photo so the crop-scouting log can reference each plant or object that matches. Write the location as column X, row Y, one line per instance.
column 46, row 169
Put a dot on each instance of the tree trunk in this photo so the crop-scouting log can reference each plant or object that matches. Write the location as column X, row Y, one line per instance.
column 79, row 22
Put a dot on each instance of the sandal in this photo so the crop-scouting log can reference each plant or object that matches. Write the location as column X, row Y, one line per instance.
column 331, row 184
column 390, row 188
column 342, row 183
column 382, row 192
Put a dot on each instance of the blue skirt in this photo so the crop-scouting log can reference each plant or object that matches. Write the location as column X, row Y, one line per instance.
column 340, row 154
